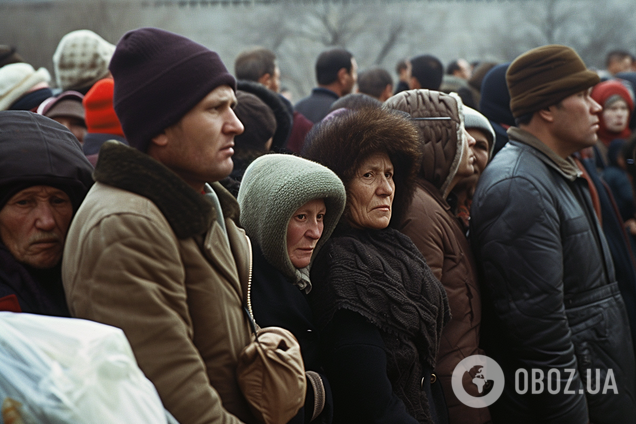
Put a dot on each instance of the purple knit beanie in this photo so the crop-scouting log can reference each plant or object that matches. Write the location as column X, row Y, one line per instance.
column 159, row 77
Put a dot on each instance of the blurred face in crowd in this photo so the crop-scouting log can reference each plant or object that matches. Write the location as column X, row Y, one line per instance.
column 575, row 122
column 272, row 82
column 616, row 116
column 75, row 125
column 370, row 193
column 199, row 147
column 464, row 71
column 304, row 230
column 467, row 164
column 33, row 225
column 481, row 149
column 275, row 80
column 350, row 78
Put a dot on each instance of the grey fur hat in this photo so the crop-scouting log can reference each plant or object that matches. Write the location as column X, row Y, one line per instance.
column 273, row 188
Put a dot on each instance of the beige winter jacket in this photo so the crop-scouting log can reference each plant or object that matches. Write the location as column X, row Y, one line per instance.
column 145, row 253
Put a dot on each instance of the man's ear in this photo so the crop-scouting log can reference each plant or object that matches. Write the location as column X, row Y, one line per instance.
column 387, row 93
column 160, row 140
column 342, row 76
column 265, row 79
column 546, row 114
column 414, row 83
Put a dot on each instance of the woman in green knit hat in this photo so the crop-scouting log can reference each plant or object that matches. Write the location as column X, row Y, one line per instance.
column 289, row 208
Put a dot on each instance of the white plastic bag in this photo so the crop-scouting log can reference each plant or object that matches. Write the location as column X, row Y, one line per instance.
column 67, row 370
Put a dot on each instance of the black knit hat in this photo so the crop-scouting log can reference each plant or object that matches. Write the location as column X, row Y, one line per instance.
column 159, row 77
column 258, row 120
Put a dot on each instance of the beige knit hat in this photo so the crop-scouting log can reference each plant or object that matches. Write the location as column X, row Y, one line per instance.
column 81, row 59
column 17, row 79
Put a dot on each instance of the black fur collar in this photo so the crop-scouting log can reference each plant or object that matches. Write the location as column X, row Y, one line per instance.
column 188, row 212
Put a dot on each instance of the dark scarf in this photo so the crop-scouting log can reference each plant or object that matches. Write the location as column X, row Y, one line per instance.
column 381, row 275
column 32, row 100
column 39, row 291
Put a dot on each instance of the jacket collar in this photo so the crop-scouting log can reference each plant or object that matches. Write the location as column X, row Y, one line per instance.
column 189, row 213
column 566, row 167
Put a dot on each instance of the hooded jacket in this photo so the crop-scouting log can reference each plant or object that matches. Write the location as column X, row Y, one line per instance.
column 550, row 298
column 35, row 150
column 274, row 187
column 437, row 232
column 148, row 254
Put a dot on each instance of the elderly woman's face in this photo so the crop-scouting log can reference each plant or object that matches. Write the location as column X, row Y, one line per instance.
column 370, row 193
column 304, row 230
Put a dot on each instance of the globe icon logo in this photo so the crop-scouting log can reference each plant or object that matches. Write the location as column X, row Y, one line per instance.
column 482, row 376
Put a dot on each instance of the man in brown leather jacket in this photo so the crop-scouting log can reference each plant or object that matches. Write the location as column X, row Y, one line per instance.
column 155, row 249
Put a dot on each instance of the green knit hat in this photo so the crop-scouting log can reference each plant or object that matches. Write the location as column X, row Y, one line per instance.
column 273, row 188
column 544, row 76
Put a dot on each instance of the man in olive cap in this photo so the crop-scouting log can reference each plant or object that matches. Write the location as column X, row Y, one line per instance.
column 553, row 317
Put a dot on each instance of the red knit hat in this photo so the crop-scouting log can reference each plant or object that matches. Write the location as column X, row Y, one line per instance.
column 99, row 112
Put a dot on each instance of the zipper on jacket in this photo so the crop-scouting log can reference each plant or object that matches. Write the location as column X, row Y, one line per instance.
column 249, row 279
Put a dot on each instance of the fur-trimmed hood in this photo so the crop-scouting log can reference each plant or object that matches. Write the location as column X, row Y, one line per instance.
column 188, row 212
column 343, row 143
column 439, row 118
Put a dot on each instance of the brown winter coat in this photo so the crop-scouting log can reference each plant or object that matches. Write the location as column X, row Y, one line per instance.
column 438, row 234
column 146, row 253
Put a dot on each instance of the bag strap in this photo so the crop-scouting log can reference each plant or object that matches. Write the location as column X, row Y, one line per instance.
column 253, row 324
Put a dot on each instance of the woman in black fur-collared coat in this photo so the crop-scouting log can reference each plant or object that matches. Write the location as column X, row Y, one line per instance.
column 376, row 301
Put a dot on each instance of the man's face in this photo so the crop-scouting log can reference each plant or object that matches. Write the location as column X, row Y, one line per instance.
column 620, row 65
column 464, row 69
column 351, row 78
column 274, row 84
column 199, row 147
column 33, row 225
column 576, row 121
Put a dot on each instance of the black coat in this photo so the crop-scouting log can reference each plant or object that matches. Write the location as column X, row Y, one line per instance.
column 277, row 302
column 550, row 299
column 316, row 106
column 382, row 312
column 26, row 289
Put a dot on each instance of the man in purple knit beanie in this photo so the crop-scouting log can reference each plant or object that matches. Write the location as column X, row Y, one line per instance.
column 155, row 249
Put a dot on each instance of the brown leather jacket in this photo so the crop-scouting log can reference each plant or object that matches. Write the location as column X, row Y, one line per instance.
column 158, row 265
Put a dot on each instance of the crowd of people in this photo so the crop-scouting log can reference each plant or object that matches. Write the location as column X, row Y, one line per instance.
column 394, row 229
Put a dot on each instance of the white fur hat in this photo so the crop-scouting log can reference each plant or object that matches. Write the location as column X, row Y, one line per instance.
column 17, row 79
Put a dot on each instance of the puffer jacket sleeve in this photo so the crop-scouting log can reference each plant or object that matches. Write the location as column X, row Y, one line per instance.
column 132, row 278
column 424, row 227
column 515, row 234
